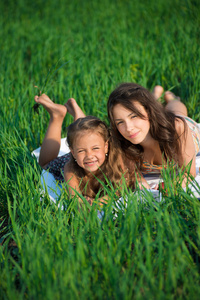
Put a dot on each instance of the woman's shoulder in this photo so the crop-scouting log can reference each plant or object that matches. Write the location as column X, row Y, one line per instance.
column 180, row 125
column 183, row 123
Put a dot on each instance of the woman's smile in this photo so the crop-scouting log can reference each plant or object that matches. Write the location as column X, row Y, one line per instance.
column 132, row 136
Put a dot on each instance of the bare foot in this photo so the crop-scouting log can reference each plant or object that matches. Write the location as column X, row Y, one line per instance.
column 74, row 109
column 158, row 91
column 174, row 104
column 55, row 110
column 169, row 96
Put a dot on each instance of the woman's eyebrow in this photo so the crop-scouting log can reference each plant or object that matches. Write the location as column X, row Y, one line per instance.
column 127, row 116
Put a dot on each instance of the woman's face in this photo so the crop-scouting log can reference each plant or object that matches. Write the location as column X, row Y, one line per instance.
column 132, row 127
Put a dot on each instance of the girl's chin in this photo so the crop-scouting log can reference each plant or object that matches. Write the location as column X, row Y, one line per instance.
column 91, row 170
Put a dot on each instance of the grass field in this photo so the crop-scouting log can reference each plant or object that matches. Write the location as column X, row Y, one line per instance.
column 83, row 49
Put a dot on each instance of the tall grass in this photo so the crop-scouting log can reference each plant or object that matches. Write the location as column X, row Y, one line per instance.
column 145, row 250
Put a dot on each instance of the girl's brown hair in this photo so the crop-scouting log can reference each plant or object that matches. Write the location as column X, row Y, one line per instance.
column 112, row 168
column 162, row 122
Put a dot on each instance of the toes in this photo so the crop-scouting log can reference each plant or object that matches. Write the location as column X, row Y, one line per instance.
column 169, row 96
column 158, row 91
column 44, row 96
column 36, row 98
column 70, row 100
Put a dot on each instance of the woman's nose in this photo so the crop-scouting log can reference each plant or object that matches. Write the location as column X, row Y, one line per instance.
column 129, row 126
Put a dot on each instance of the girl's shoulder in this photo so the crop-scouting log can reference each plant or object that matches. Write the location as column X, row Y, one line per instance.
column 71, row 177
column 69, row 167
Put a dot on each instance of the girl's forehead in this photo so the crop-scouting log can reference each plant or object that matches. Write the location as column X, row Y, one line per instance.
column 86, row 135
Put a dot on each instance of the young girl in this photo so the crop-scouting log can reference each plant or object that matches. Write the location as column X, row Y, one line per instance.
column 149, row 133
column 93, row 152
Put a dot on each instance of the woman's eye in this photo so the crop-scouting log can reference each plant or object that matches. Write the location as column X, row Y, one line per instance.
column 96, row 148
column 132, row 117
column 118, row 123
column 80, row 151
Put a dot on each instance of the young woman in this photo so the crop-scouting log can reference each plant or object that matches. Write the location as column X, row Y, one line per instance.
column 149, row 133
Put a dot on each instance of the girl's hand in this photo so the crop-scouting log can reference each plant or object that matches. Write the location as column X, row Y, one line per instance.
column 156, row 187
column 143, row 184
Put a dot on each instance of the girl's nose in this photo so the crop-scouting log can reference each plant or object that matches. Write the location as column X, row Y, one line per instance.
column 89, row 153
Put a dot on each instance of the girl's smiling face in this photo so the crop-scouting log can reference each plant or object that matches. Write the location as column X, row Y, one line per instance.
column 89, row 150
column 132, row 127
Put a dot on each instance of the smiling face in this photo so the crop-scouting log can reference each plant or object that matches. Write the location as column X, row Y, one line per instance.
column 89, row 150
column 132, row 127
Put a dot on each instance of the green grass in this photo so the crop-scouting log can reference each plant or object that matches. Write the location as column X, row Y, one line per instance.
column 148, row 251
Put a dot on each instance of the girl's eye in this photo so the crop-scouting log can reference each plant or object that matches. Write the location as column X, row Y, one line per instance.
column 134, row 116
column 118, row 123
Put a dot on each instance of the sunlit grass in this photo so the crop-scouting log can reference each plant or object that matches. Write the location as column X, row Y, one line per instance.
column 83, row 49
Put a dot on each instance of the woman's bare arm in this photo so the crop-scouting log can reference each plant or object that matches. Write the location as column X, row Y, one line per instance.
column 187, row 153
column 187, row 148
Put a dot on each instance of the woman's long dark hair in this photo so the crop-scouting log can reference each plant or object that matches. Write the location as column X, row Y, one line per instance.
column 162, row 122
column 112, row 168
